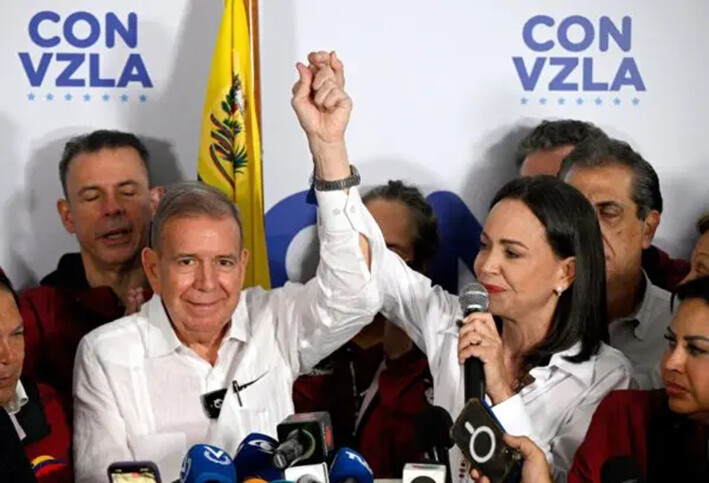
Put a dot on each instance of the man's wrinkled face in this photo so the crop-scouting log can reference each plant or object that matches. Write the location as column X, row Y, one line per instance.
column 12, row 346
column 109, row 204
column 609, row 188
column 198, row 270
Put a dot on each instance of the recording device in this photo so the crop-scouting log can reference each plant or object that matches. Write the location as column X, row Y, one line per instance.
column 478, row 434
column 254, row 458
column 473, row 298
column 622, row 469
column 304, row 439
column 432, row 435
column 349, row 466
column 424, row 473
column 205, row 463
column 133, row 472
column 315, row 473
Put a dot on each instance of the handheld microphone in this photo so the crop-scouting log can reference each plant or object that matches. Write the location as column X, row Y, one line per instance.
column 350, row 467
column 315, row 473
column 424, row 473
column 432, row 435
column 254, row 458
column 305, row 438
column 622, row 469
column 205, row 463
column 473, row 298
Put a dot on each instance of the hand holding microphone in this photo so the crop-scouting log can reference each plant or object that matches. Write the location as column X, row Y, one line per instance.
column 480, row 348
column 534, row 468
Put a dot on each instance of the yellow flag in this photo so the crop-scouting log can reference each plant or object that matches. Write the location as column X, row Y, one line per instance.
column 230, row 147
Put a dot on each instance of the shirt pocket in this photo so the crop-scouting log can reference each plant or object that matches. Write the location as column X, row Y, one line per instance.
column 166, row 450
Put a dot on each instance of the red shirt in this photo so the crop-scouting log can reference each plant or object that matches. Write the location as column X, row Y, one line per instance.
column 385, row 436
column 663, row 271
column 46, row 426
column 667, row 446
column 57, row 314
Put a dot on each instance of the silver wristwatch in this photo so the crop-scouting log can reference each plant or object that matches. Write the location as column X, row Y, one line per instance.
column 341, row 184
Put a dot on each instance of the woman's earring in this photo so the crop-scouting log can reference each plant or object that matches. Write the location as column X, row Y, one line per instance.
column 559, row 291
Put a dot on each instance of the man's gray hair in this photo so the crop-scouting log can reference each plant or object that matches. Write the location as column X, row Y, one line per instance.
column 190, row 199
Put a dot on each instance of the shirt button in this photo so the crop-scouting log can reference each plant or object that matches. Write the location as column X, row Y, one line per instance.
column 336, row 211
column 352, row 209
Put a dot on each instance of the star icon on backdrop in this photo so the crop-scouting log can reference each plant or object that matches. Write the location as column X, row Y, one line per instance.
column 579, row 101
column 562, row 101
column 636, row 101
column 523, row 101
column 106, row 97
column 616, row 101
column 543, row 101
column 124, row 98
column 30, row 96
column 143, row 98
column 50, row 97
column 68, row 97
column 598, row 101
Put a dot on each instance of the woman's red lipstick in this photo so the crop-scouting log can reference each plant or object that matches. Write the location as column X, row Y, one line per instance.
column 493, row 288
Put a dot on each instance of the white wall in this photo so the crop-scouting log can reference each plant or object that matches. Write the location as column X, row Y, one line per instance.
column 437, row 100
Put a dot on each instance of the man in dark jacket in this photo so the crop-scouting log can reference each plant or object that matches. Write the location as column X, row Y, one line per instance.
column 108, row 205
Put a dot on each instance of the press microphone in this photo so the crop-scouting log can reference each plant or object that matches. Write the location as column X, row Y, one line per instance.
column 305, row 438
column 432, row 436
column 348, row 466
column 205, row 463
column 622, row 469
column 254, row 458
column 473, row 298
column 479, row 436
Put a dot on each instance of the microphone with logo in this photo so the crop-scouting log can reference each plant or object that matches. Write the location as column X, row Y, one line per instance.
column 432, row 436
column 476, row 431
column 254, row 459
column 205, row 463
column 473, row 298
column 622, row 469
column 349, row 466
column 48, row 469
column 305, row 445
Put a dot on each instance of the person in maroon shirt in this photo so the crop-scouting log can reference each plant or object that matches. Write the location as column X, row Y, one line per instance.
column 108, row 205
column 543, row 150
column 376, row 385
column 667, row 430
column 700, row 254
column 38, row 417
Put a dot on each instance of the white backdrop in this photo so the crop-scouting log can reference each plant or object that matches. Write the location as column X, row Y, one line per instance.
column 438, row 100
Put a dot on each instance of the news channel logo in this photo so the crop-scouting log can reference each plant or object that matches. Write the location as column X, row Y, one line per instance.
column 67, row 58
column 578, row 61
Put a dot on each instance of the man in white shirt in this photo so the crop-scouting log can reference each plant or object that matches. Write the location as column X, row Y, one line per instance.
column 204, row 361
column 625, row 190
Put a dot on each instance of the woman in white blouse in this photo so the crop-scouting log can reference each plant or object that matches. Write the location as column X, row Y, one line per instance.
column 541, row 259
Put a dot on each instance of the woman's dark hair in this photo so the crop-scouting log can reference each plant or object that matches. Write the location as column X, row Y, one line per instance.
column 572, row 231
column 694, row 289
column 425, row 235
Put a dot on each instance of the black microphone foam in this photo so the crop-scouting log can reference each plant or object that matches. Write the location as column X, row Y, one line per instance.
column 474, row 298
column 432, row 434
column 622, row 469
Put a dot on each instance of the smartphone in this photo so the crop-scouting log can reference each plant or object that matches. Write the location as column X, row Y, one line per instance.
column 133, row 472
column 478, row 434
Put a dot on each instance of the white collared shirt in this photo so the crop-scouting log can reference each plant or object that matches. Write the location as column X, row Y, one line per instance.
column 641, row 336
column 137, row 388
column 555, row 410
column 19, row 399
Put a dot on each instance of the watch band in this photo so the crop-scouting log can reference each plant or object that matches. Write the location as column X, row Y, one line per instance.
column 341, row 184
